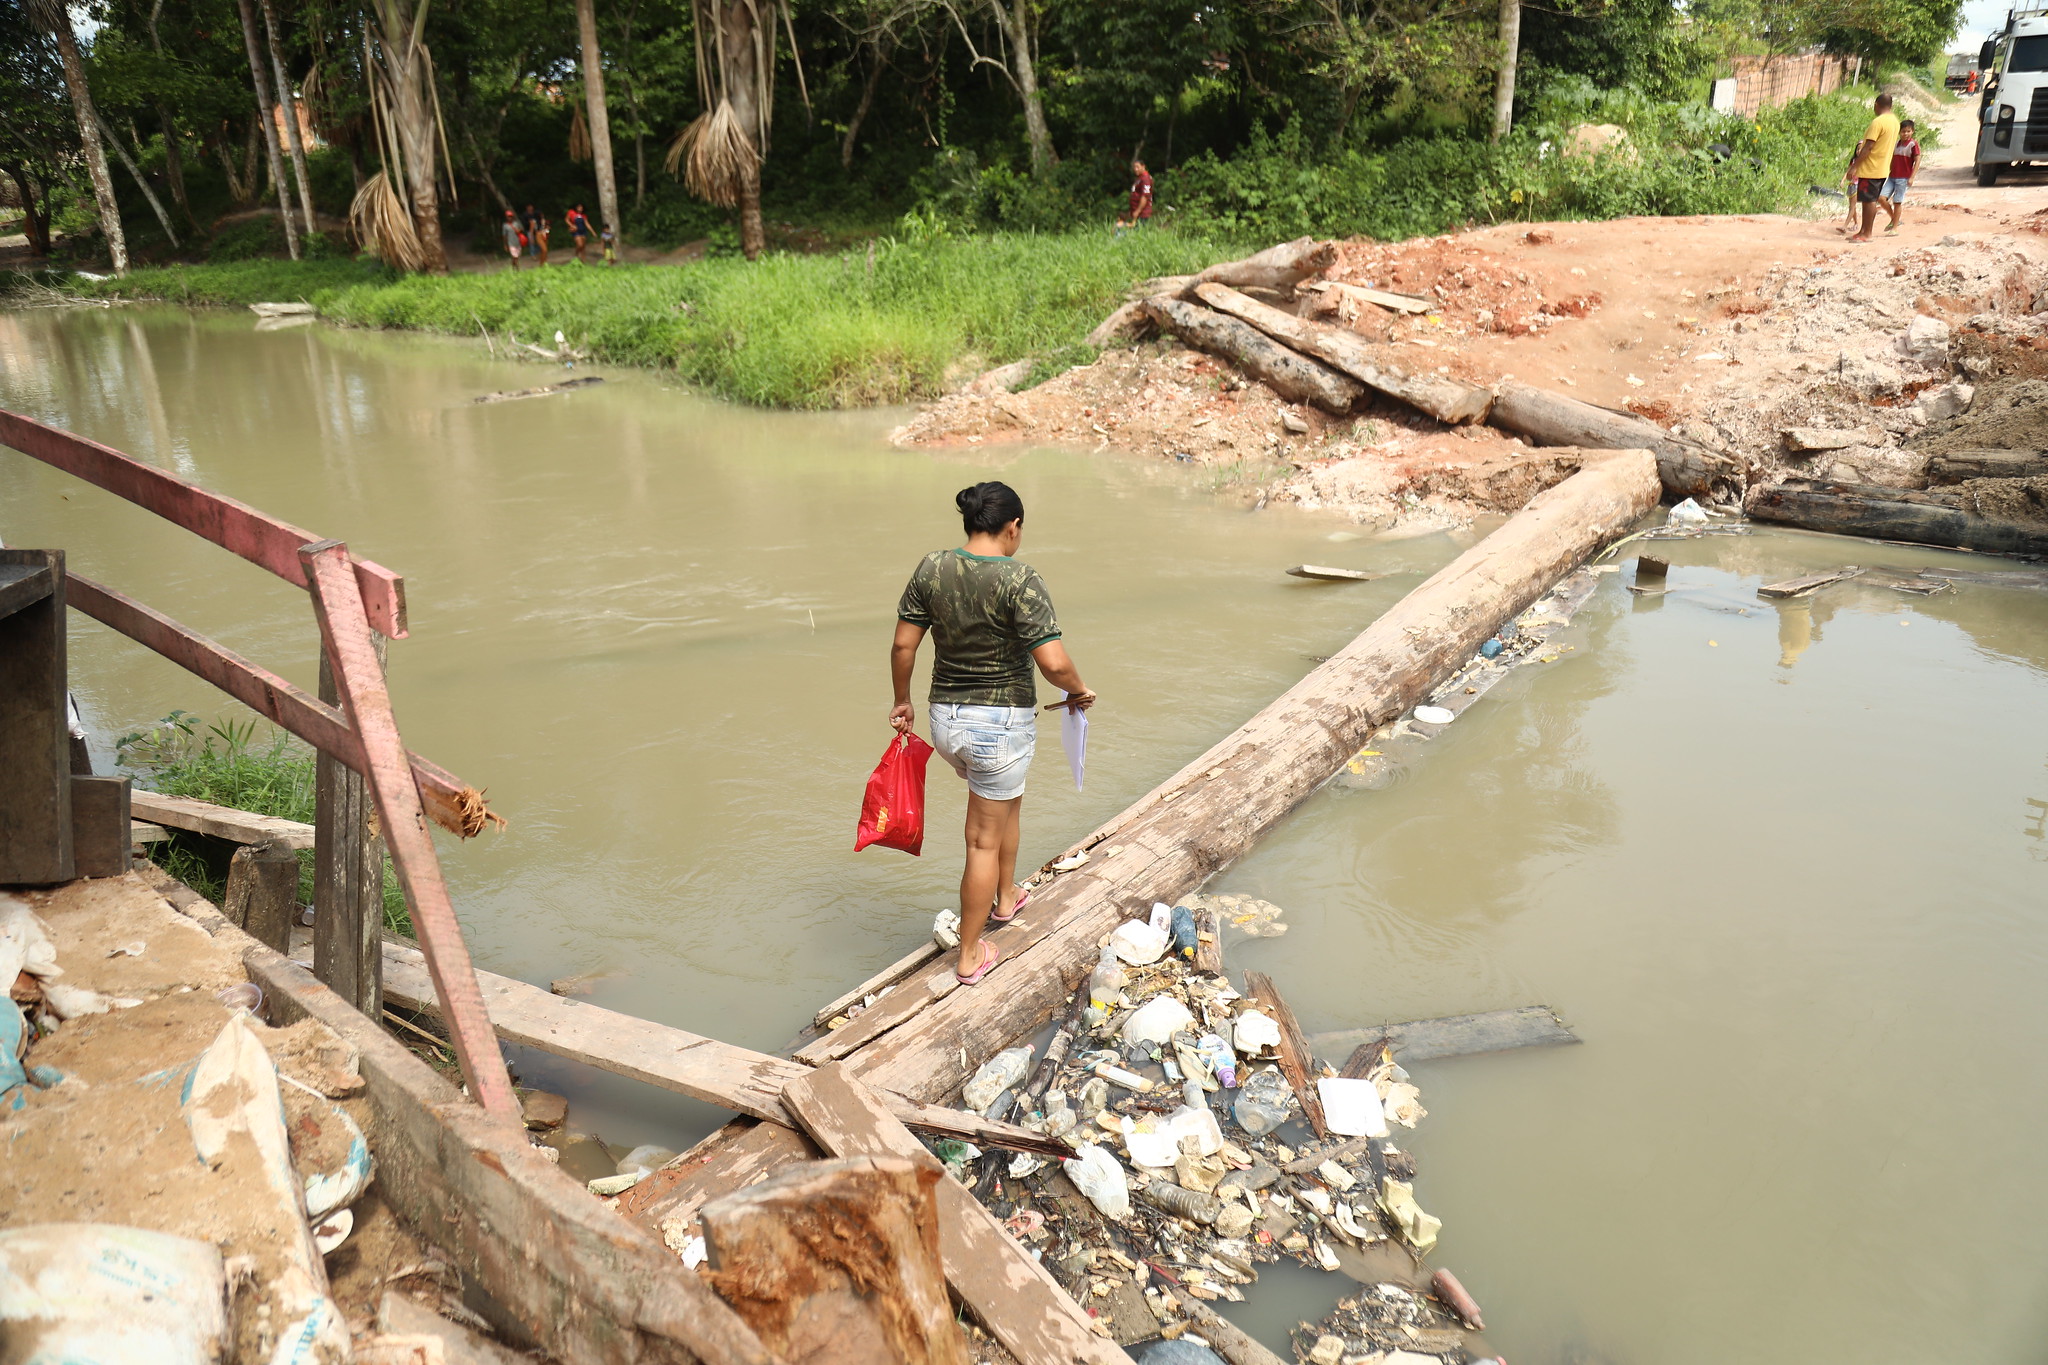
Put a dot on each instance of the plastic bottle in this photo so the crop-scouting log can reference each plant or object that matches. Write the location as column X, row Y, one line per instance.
column 1106, row 982
column 1222, row 1061
column 999, row 1073
column 1181, row 1202
column 1262, row 1103
column 1116, row 1075
column 1100, row 1177
column 1185, row 939
column 1059, row 1116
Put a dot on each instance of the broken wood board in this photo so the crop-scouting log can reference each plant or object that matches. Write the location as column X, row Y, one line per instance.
column 222, row 822
column 1806, row 583
column 1392, row 302
column 1011, row 1294
column 880, row 981
column 730, row 1077
column 1457, row 1035
column 142, row 832
column 1295, row 1060
column 1341, row 575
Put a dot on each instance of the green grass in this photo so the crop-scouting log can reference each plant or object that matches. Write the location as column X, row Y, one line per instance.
column 225, row 763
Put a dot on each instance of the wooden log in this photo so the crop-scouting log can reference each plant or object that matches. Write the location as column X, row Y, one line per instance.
column 35, row 747
column 1288, row 374
column 1954, row 466
column 348, row 874
column 1205, row 816
column 1129, row 322
column 723, row 1074
column 1452, row 401
column 1807, row 583
column 1457, row 1035
column 263, row 891
column 100, row 826
column 1295, row 1059
column 1225, row 1337
column 1890, row 514
column 1012, row 1295
column 218, row 822
column 1996, row 578
column 1381, row 298
column 1277, row 267
column 837, row 1263
column 1208, row 941
column 1551, row 419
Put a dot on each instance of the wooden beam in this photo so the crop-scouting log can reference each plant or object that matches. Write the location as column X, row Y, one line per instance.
column 220, row 822
column 837, row 1263
column 101, row 843
column 1324, row 571
column 35, row 744
column 255, row 536
column 1014, row 1296
column 453, row 804
column 706, row 1069
column 1295, row 1059
column 1457, row 1035
column 880, row 981
column 23, row 583
column 262, row 893
column 348, row 875
column 345, row 638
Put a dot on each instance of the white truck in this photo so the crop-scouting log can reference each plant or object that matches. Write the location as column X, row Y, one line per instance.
column 2013, row 111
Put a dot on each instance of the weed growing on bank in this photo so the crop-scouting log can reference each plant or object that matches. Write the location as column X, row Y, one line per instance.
column 224, row 762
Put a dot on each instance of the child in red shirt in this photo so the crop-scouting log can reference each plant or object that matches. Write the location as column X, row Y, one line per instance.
column 1905, row 165
column 1141, row 198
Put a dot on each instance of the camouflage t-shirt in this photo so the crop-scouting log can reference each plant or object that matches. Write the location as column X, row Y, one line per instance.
column 986, row 614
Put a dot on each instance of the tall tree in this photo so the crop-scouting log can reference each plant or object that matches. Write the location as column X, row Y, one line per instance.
column 720, row 151
column 406, row 79
column 1504, row 79
column 288, row 106
column 600, row 121
column 38, row 138
column 56, row 20
column 269, row 124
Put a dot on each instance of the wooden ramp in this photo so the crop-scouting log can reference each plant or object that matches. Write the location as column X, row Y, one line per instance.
column 735, row 1078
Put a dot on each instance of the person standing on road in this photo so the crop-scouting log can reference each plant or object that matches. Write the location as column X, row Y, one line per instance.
column 579, row 231
column 991, row 619
column 1873, row 165
column 1140, row 211
column 1905, row 166
column 510, row 227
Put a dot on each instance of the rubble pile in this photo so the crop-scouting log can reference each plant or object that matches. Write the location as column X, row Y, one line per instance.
column 1198, row 1157
column 1470, row 289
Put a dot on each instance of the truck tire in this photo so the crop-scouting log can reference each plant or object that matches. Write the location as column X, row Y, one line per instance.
column 1987, row 174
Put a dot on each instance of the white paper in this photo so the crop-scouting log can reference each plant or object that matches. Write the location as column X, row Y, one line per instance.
column 1074, row 738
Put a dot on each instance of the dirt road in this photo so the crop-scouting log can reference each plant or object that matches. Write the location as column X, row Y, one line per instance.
column 1948, row 172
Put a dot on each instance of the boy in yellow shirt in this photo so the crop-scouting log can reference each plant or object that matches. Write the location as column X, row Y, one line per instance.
column 1873, row 164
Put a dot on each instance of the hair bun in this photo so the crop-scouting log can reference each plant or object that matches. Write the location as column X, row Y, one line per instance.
column 967, row 499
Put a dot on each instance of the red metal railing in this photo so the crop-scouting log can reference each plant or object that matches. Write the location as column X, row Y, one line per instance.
column 351, row 597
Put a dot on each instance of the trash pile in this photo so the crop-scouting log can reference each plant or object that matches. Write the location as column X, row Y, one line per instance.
column 1208, row 1142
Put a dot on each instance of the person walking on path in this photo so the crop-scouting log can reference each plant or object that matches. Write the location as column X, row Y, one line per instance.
column 991, row 619
column 1905, row 166
column 579, row 231
column 1140, row 210
column 1873, row 165
column 510, row 227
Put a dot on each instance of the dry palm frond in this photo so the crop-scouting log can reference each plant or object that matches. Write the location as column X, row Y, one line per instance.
column 381, row 222
column 712, row 154
column 579, row 135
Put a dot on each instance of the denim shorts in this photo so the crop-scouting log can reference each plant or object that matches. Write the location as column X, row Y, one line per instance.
column 990, row 746
column 1895, row 190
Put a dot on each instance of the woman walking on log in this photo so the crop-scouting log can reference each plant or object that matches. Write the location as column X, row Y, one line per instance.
column 991, row 619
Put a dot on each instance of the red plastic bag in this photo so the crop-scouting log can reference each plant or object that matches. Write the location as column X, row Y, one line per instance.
column 892, row 812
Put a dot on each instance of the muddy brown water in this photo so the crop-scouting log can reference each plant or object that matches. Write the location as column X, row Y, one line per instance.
column 1779, row 866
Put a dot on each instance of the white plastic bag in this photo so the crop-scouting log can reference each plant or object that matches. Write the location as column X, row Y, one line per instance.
column 102, row 1294
column 1100, row 1177
column 1351, row 1108
column 1157, row 1020
column 1687, row 513
column 1138, row 943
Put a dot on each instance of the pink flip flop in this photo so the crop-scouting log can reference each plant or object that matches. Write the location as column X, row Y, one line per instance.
column 993, row 954
column 1023, row 895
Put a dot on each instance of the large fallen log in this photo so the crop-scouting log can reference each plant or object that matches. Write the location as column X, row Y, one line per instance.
column 1279, row 267
column 1448, row 400
column 1957, row 465
column 1292, row 376
column 1687, row 470
column 1861, row 509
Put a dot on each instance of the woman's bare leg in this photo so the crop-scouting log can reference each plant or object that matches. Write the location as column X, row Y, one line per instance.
column 1006, row 862
column 987, row 824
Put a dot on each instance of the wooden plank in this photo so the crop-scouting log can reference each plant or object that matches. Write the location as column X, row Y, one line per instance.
column 1806, row 583
column 348, row 875
column 262, row 892
column 235, row 526
column 221, row 822
column 719, row 1073
column 1451, row 401
column 1014, row 1296
column 21, row 584
column 142, row 832
column 837, row 1263
column 100, row 823
column 1211, row 811
column 1458, row 1035
column 666, row 1202
column 1324, row 571
column 880, row 981
column 345, row 638
column 453, row 804
column 1209, row 941
column 1393, row 303
column 1295, row 1059
column 35, row 744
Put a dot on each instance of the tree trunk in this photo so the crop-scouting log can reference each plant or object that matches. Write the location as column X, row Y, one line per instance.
column 1947, row 518
column 740, row 40
column 483, row 170
column 36, row 226
column 412, row 110
column 1292, row 376
column 1016, row 24
column 135, row 172
column 58, row 19
column 1504, row 80
column 269, row 126
column 880, row 59
column 289, row 105
column 600, row 120
column 174, row 166
column 1552, row 419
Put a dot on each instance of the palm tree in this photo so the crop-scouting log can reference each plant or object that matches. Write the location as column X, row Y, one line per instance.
column 720, row 152
column 57, row 20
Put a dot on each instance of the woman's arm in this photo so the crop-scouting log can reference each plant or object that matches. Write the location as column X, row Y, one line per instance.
column 1059, row 670
column 902, row 658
